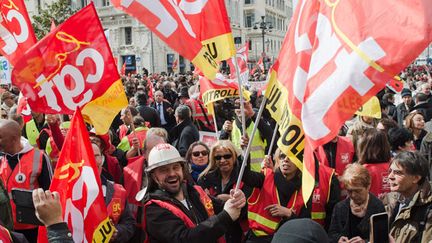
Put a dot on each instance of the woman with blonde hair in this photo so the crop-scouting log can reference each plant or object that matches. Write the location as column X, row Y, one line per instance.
column 220, row 177
column 415, row 122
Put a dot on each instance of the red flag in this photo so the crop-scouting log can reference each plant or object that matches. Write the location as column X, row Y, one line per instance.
column 16, row 34
column 23, row 108
column 242, row 60
column 77, row 180
column 123, row 69
column 335, row 58
column 53, row 25
column 71, row 68
column 175, row 65
column 259, row 65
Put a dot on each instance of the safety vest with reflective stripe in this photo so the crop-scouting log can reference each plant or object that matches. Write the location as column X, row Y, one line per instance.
column 261, row 222
column 204, row 199
column 31, row 167
column 199, row 114
column 344, row 154
column 257, row 152
column 321, row 194
column 32, row 132
column 5, row 236
column 126, row 142
column 117, row 204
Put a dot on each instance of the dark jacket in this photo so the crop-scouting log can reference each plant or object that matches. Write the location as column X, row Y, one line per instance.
column 401, row 113
column 150, row 115
column 164, row 226
column 213, row 183
column 169, row 117
column 59, row 233
column 183, row 135
column 340, row 222
column 5, row 208
column 426, row 109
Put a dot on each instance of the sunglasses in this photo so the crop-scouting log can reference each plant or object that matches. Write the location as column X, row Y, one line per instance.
column 225, row 156
column 203, row 153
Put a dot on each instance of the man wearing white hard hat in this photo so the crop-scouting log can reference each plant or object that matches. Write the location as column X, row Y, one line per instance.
column 176, row 211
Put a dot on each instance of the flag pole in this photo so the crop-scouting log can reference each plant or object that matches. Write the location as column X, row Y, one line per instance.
column 273, row 140
column 215, row 123
column 134, row 134
column 248, row 148
column 243, row 118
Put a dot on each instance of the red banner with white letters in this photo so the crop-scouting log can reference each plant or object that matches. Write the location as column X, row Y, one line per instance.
column 77, row 180
column 71, row 68
column 16, row 31
column 335, row 57
column 186, row 26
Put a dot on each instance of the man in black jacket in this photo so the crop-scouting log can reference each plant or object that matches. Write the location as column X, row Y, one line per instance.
column 148, row 113
column 176, row 211
column 185, row 133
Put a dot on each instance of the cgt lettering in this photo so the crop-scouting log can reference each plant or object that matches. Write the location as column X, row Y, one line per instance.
column 11, row 44
column 70, row 93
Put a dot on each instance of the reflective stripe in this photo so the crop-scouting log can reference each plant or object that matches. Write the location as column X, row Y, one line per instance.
column 261, row 220
column 35, row 169
column 318, row 215
column 259, row 233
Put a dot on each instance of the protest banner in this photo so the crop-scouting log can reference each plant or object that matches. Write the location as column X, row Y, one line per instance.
column 77, row 180
column 335, row 58
column 5, row 71
column 70, row 68
column 16, row 31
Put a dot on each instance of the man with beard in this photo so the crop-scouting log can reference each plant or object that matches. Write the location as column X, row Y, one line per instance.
column 176, row 211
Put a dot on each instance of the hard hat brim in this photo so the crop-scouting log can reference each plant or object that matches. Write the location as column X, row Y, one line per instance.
column 165, row 162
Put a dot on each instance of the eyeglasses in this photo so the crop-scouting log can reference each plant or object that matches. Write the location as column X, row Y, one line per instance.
column 225, row 156
column 197, row 153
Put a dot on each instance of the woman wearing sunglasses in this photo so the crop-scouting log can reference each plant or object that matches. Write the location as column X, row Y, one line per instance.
column 198, row 157
column 220, row 177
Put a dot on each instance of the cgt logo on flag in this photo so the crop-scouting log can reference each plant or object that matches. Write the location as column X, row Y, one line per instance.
column 71, row 68
column 335, row 58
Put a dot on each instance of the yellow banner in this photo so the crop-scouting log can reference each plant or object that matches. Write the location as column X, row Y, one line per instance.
column 205, row 62
column 214, row 95
column 292, row 139
column 371, row 108
column 220, row 47
column 104, row 231
column 101, row 111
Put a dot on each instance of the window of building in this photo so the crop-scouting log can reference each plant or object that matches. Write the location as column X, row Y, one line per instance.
column 128, row 35
column 249, row 1
column 249, row 20
column 105, row 3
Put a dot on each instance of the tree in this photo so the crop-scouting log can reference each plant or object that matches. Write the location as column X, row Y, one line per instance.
column 58, row 12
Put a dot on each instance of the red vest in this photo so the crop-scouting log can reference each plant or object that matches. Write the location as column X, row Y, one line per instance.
column 379, row 178
column 31, row 167
column 117, row 204
column 344, row 154
column 205, row 200
column 321, row 194
column 199, row 113
column 5, row 236
column 261, row 222
column 123, row 130
column 141, row 135
column 54, row 154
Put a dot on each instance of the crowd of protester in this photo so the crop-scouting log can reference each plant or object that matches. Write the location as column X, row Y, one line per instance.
column 176, row 188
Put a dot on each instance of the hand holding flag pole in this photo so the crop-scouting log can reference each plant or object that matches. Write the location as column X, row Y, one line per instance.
column 249, row 146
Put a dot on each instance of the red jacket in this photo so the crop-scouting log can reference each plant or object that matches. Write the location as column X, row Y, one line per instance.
column 379, row 178
column 344, row 154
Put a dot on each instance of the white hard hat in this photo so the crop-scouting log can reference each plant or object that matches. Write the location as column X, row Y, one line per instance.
column 163, row 154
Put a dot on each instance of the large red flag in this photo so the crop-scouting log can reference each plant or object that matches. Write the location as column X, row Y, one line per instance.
column 16, row 31
column 335, row 57
column 242, row 60
column 71, row 68
column 77, row 180
column 186, row 26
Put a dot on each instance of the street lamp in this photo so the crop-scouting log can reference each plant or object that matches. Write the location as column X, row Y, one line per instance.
column 265, row 27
